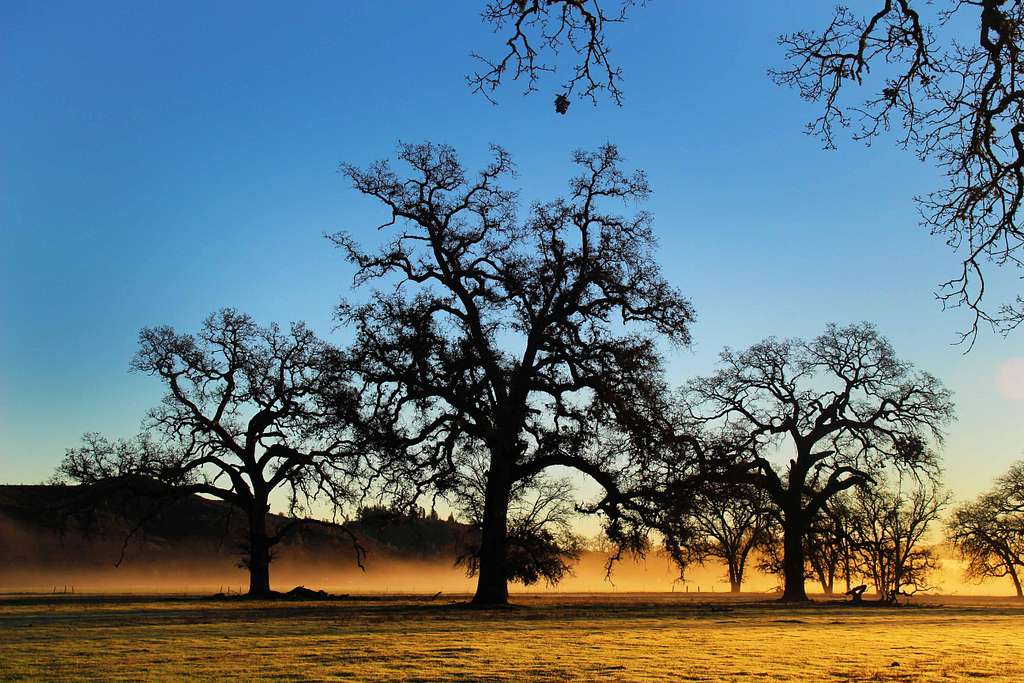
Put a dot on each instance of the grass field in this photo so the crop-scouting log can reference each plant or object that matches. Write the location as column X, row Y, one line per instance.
column 695, row 637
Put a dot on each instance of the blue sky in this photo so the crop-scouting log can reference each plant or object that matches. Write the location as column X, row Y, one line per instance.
column 161, row 160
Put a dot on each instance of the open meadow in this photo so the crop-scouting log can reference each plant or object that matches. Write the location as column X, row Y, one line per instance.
column 574, row 637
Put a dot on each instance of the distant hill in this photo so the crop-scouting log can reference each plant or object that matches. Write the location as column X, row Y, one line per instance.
column 45, row 539
column 193, row 545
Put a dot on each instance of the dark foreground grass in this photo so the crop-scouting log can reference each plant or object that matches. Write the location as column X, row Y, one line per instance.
column 550, row 637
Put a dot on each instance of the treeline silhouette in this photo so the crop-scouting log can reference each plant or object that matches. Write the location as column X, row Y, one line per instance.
column 496, row 346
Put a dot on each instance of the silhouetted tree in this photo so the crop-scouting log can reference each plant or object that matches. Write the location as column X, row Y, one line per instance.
column 959, row 103
column 887, row 531
column 827, row 543
column 727, row 523
column 496, row 334
column 534, row 30
column 843, row 406
column 249, row 410
column 989, row 531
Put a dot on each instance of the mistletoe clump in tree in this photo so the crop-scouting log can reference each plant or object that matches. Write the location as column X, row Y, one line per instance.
column 537, row 30
column 521, row 339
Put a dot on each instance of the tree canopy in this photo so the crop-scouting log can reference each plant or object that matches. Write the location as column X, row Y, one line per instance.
column 495, row 334
column 957, row 103
column 839, row 409
column 248, row 410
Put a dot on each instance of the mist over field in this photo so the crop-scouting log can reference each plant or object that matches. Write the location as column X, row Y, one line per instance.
column 35, row 560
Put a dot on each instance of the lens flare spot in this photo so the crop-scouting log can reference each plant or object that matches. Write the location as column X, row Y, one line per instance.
column 1010, row 379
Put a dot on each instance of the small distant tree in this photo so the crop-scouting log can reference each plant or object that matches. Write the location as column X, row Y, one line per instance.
column 888, row 533
column 726, row 523
column 842, row 405
column 515, row 338
column 827, row 543
column 989, row 531
column 249, row 410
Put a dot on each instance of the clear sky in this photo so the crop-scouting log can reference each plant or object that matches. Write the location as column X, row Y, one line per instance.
column 162, row 160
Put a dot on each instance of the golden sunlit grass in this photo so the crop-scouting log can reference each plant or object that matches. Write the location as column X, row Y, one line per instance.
column 546, row 637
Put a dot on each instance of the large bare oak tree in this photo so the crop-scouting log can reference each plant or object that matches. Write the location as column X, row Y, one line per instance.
column 723, row 522
column 517, row 337
column 809, row 419
column 249, row 410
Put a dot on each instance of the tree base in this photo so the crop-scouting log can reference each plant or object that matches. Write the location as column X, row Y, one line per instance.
column 484, row 603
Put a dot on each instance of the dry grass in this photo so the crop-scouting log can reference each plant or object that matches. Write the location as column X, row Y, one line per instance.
column 547, row 637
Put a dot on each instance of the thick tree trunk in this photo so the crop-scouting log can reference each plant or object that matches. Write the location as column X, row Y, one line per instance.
column 259, row 552
column 735, row 578
column 793, row 559
column 1016, row 583
column 492, row 582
